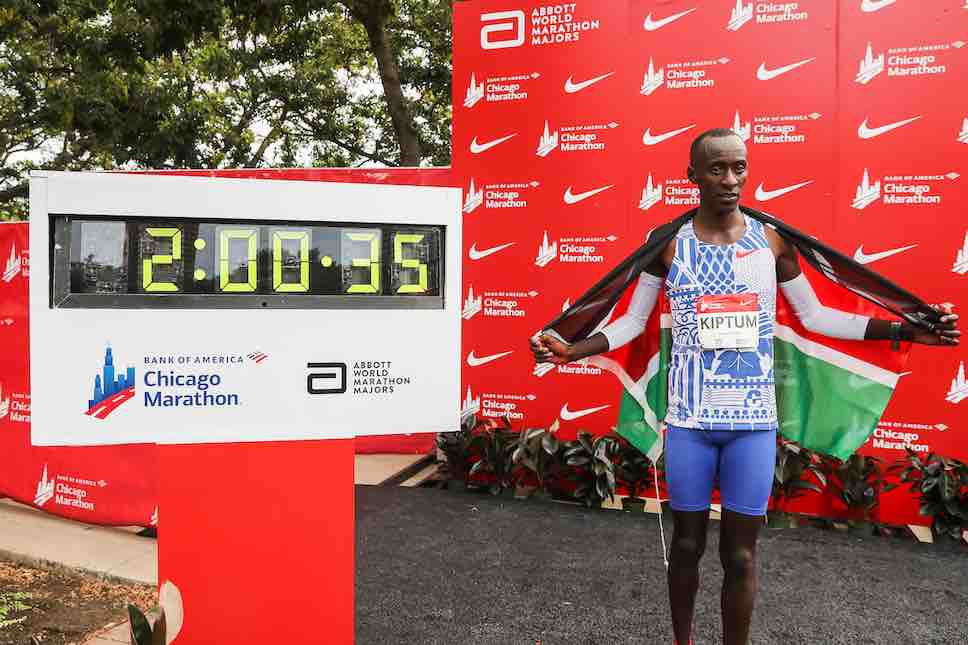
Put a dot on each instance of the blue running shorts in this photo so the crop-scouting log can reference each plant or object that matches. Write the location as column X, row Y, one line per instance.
column 743, row 460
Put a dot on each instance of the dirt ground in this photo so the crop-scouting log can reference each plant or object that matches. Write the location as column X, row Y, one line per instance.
column 63, row 607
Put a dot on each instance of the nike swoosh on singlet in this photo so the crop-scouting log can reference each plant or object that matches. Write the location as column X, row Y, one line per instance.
column 765, row 74
column 652, row 25
column 865, row 132
column 478, row 148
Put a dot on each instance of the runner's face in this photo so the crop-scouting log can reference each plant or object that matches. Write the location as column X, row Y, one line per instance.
column 720, row 173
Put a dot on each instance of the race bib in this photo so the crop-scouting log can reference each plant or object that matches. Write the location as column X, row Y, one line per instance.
column 728, row 321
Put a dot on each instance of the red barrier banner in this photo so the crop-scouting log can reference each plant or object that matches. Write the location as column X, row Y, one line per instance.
column 572, row 123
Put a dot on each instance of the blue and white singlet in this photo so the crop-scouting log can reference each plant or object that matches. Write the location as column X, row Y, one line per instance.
column 721, row 389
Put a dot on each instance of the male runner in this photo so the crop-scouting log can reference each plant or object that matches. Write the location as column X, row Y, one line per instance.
column 725, row 261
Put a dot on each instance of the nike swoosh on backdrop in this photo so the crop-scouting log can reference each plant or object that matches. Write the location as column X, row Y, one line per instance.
column 571, row 87
column 572, row 198
column 652, row 25
column 478, row 148
column 765, row 74
column 474, row 254
column 866, row 132
column 476, row 361
column 864, row 258
column 870, row 6
column 650, row 139
column 764, row 195
column 568, row 415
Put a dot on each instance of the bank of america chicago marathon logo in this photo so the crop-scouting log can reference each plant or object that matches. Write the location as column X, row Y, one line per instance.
column 4, row 404
column 916, row 60
column 497, row 304
column 583, row 137
column 498, row 89
column 572, row 250
column 15, row 264
column 681, row 75
column 960, row 265
column 963, row 133
column 492, row 405
column 65, row 490
column 498, row 195
column 765, row 13
column 186, row 380
column 15, row 406
column 958, row 391
column 578, row 367
column 551, row 24
column 771, row 129
column 916, row 190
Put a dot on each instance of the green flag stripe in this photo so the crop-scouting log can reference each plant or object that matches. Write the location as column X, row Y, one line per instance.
column 830, row 355
column 823, row 406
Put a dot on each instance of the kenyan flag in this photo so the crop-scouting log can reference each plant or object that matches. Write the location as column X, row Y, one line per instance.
column 830, row 392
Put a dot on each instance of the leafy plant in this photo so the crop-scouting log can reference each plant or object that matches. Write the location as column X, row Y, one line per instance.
column 857, row 482
column 455, row 447
column 593, row 467
column 142, row 632
column 10, row 604
column 942, row 486
column 790, row 475
column 492, row 444
column 633, row 468
column 536, row 455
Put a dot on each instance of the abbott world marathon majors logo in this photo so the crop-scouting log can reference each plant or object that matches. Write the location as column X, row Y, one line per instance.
column 765, row 13
column 681, row 75
column 552, row 24
column 909, row 190
column 931, row 59
column 585, row 137
column 501, row 195
column 774, row 129
column 499, row 89
column 491, row 405
column 572, row 250
column 67, row 491
column 497, row 304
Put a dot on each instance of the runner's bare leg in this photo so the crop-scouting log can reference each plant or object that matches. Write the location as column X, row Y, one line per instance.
column 688, row 544
column 737, row 551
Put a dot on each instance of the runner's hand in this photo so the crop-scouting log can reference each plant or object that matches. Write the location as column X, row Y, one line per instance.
column 547, row 349
column 945, row 331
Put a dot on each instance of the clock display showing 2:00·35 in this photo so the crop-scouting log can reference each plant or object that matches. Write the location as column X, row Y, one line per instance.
column 250, row 258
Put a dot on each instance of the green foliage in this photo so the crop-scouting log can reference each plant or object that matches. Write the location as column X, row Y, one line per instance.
column 92, row 84
column 142, row 632
column 455, row 446
column 791, row 474
column 593, row 467
column 942, row 486
column 633, row 468
column 537, row 456
column 858, row 482
column 491, row 448
column 13, row 603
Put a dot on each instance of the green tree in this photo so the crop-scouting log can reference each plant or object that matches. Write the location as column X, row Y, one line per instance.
column 215, row 84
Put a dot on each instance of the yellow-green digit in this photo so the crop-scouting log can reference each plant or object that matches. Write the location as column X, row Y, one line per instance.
column 412, row 263
column 373, row 262
column 225, row 279
column 148, row 264
column 290, row 287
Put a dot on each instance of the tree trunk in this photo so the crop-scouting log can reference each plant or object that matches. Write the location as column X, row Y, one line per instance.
column 373, row 14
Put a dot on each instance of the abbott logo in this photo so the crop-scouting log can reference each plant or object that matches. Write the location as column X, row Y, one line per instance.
column 503, row 21
column 328, row 378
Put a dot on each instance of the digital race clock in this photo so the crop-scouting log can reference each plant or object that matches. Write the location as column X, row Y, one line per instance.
column 209, row 263
column 167, row 309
